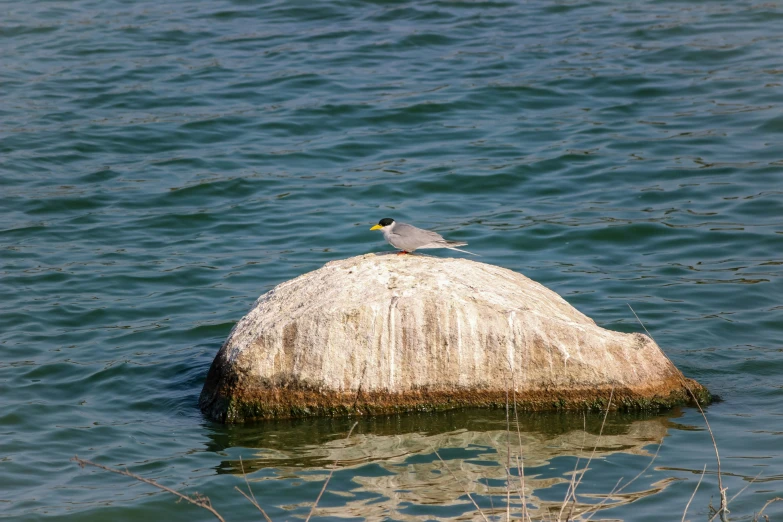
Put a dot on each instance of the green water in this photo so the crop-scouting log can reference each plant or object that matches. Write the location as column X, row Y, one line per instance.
column 163, row 164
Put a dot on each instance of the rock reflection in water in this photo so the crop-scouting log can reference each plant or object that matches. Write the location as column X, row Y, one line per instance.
column 389, row 468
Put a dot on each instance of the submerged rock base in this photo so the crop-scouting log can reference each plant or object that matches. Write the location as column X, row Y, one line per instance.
column 294, row 402
column 383, row 334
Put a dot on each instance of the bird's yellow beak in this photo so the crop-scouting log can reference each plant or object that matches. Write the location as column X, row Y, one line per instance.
column 376, row 227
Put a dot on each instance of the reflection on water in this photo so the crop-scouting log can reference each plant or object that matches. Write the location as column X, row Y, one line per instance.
column 391, row 466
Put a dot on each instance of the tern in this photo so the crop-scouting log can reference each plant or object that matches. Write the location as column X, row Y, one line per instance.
column 408, row 238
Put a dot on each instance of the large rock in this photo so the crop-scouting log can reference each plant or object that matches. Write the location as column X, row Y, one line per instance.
column 385, row 333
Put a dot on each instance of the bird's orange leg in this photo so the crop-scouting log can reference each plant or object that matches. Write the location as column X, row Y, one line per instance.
column 402, row 252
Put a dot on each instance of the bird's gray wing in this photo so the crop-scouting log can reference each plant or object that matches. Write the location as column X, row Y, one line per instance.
column 409, row 238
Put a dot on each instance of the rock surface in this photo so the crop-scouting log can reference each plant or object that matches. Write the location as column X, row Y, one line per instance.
column 378, row 334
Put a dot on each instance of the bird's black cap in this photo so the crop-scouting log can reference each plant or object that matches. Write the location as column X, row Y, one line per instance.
column 385, row 222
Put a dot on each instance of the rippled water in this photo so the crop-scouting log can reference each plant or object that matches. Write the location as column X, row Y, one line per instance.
column 163, row 164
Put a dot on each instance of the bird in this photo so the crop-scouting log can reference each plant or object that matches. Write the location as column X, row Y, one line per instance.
column 408, row 238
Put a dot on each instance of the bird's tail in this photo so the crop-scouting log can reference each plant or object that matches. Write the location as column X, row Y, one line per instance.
column 452, row 244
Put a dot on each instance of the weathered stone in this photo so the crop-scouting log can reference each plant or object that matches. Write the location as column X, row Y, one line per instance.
column 383, row 333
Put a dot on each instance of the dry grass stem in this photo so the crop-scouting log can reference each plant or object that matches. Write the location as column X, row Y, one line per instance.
column 252, row 497
column 196, row 499
column 694, row 493
column 595, row 509
column 331, row 472
column 746, row 486
column 724, row 507
column 489, row 496
column 770, row 501
column 464, row 489
column 589, row 460
column 508, row 460
column 519, row 494
column 520, row 458
column 521, row 469
column 618, row 491
column 572, row 480
column 642, row 472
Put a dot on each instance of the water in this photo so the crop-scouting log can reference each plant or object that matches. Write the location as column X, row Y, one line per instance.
column 163, row 164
